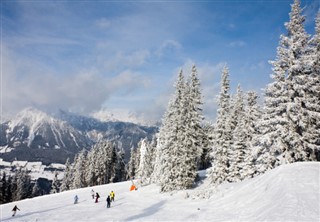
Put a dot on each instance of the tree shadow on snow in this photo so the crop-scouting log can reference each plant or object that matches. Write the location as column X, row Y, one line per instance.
column 148, row 211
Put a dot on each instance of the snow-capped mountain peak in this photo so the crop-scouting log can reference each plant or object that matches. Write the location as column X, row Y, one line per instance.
column 30, row 117
column 34, row 135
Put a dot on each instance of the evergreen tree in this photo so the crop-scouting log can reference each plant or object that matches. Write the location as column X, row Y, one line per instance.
column 121, row 173
column 91, row 173
column 3, row 188
column 146, row 161
column 239, row 150
column 205, row 159
column 171, row 149
column 180, row 137
column 67, row 177
column 222, row 133
column 253, row 115
column 23, row 185
column 132, row 164
column 195, row 131
column 113, row 163
column 297, row 85
column 55, row 186
column 143, row 151
column 285, row 122
column 162, row 148
column 312, row 95
column 104, row 166
column 36, row 190
column 10, row 189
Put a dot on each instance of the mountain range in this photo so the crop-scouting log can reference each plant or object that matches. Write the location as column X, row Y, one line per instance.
column 33, row 135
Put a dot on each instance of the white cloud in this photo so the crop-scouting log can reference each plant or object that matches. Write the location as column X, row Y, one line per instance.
column 103, row 23
column 82, row 92
column 168, row 46
column 122, row 60
column 237, row 44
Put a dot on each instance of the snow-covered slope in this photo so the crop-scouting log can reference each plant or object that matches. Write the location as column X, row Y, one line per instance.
column 288, row 193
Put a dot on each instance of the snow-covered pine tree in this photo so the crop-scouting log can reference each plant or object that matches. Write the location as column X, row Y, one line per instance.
column 221, row 138
column 9, row 190
column 167, row 139
column 161, row 156
column 113, row 163
column 91, row 175
column 79, row 171
column 190, row 133
column 253, row 116
column 101, row 160
column 3, row 187
column 67, row 177
column 131, row 164
column 297, row 85
column 264, row 156
column 145, row 166
column 137, row 159
column 23, row 185
column 285, row 97
column 105, row 165
column 55, row 186
column 195, row 132
column 121, row 173
column 150, row 159
column 312, row 101
column 172, row 177
column 206, row 159
column 239, row 150
column 36, row 190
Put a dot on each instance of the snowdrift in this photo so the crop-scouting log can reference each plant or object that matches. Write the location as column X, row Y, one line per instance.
column 287, row 193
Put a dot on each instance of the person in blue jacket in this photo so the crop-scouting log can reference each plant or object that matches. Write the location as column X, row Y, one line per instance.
column 76, row 198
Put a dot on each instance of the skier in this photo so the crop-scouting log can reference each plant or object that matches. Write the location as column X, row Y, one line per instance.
column 15, row 208
column 112, row 195
column 76, row 198
column 97, row 197
column 92, row 193
column 108, row 202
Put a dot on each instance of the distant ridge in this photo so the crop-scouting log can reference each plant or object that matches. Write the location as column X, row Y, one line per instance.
column 34, row 135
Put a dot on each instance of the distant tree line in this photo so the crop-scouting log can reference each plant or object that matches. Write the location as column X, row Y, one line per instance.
column 103, row 164
column 18, row 185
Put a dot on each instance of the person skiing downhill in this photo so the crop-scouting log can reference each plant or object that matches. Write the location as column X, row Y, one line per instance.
column 15, row 208
column 108, row 202
column 76, row 198
column 97, row 197
column 92, row 193
column 112, row 196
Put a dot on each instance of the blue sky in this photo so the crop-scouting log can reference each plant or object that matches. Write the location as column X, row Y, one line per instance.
column 84, row 56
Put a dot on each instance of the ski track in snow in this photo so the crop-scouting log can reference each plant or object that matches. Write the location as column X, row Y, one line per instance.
column 287, row 193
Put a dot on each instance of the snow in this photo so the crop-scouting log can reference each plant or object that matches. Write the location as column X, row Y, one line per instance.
column 5, row 149
column 36, row 169
column 287, row 193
